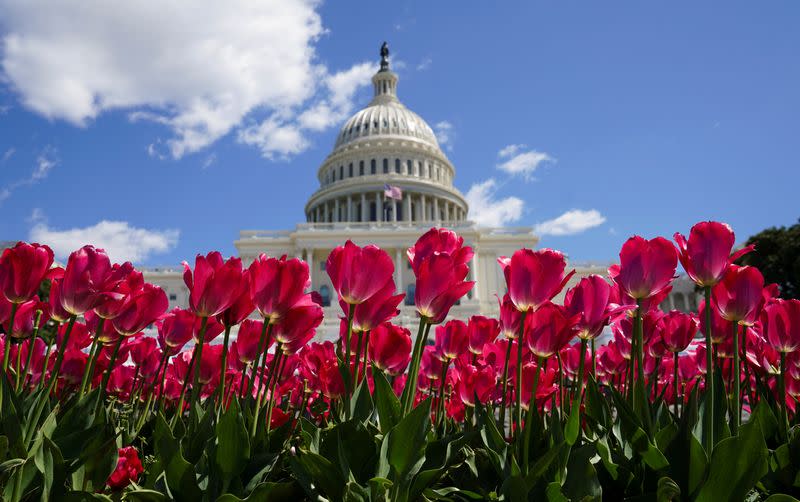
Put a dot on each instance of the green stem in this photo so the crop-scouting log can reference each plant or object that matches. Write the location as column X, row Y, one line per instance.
column 159, row 383
column 526, row 444
column 518, row 383
column 263, row 369
column 675, row 382
column 198, row 364
column 14, row 307
column 259, row 397
column 594, row 361
column 413, row 371
column 784, row 428
column 110, row 368
column 440, row 403
column 60, row 356
column 709, row 402
column 260, row 355
column 736, row 378
column 637, row 334
column 31, row 346
column 358, row 358
column 366, row 352
column 273, row 383
column 504, row 404
column 93, row 351
column 186, row 379
column 223, row 368
column 579, row 395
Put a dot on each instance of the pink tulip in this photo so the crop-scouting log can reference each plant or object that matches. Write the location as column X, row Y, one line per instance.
column 85, row 279
column 106, row 333
column 123, row 281
column 358, row 273
column 439, row 241
column 276, row 285
column 390, row 348
column 738, row 295
column 214, row 283
column 589, row 299
column 54, row 308
column 534, row 277
column 452, row 339
column 480, row 331
column 646, row 267
column 248, row 339
column 707, row 254
column 298, row 326
column 780, row 321
column 440, row 284
column 678, row 330
column 142, row 309
column 377, row 309
column 242, row 305
column 474, row 381
column 510, row 318
column 175, row 330
column 24, row 318
column 548, row 329
column 22, row 269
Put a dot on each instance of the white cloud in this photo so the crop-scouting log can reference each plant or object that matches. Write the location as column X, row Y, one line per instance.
column 209, row 161
column 198, row 68
column 572, row 222
column 444, row 134
column 424, row 64
column 486, row 210
column 121, row 241
column 8, row 154
column 45, row 162
column 519, row 160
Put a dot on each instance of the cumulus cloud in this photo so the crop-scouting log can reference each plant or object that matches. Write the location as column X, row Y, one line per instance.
column 487, row 210
column 572, row 222
column 121, row 241
column 520, row 160
column 8, row 154
column 444, row 134
column 201, row 70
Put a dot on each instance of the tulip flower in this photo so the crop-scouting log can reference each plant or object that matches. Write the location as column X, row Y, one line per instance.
column 248, row 338
column 390, row 348
column 780, row 322
column 123, row 281
column 452, row 339
column 738, row 296
column 85, row 279
column 22, row 269
column 646, row 267
column 276, row 285
column 706, row 255
column 480, row 382
column 589, row 299
column 144, row 308
column 549, row 329
column 175, row 330
column 214, row 284
column 54, row 309
column 534, row 277
column 439, row 261
column 510, row 321
column 128, row 469
column 379, row 308
column 480, row 331
column 358, row 273
column 678, row 330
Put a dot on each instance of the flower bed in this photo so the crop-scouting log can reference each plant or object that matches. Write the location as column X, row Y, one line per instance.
column 528, row 406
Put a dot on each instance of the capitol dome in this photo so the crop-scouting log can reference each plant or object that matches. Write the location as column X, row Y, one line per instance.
column 386, row 166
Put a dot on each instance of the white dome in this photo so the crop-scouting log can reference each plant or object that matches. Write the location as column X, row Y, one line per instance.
column 386, row 119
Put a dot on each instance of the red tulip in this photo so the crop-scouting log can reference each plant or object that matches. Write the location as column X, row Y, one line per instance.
column 242, row 305
column 473, row 381
column 510, row 318
column 439, row 241
column 678, row 330
column 214, row 284
column 545, row 388
column 85, row 279
column 210, row 361
column 390, row 348
column 298, row 326
column 22, row 269
column 621, row 305
column 646, row 267
column 379, row 308
column 142, row 309
column 128, row 469
column 440, row 284
column 78, row 339
column 481, row 331
column 452, row 339
column 276, row 285
column 248, row 338
column 720, row 327
column 611, row 360
column 24, row 318
column 105, row 333
column 331, row 379
column 589, row 299
column 707, row 254
column 650, row 326
column 358, row 273
column 738, row 296
column 780, row 323
column 534, row 277
column 548, row 329
column 54, row 308
column 431, row 365
column 123, row 281
column 175, row 330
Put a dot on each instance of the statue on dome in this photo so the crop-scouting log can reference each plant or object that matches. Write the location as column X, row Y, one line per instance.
column 385, row 57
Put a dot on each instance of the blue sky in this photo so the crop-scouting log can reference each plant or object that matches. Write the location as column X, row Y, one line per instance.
column 161, row 133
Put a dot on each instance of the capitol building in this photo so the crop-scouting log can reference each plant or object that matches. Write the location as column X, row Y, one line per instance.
column 386, row 182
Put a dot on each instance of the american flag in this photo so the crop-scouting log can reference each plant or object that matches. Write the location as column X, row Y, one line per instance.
column 392, row 192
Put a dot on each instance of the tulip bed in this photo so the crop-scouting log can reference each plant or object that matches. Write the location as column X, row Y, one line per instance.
column 528, row 406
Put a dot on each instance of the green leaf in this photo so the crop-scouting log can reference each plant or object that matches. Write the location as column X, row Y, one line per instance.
column 581, row 482
column 80, row 496
column 514, row 489
column 668, row 490
column 389, row 411
column 405, row 446
column 268, row 492
column 688, row 462
column 50, row 463
column 737, row 464
column 544, row 462
column 321, row 472
column 636, row 437
column 766, row 419
column 596, row 404
column 601, row 446
column 361, row 406
column 233, row 443
column 780, row 497
column 142, row 495
column 573, row 423
column 180, row 474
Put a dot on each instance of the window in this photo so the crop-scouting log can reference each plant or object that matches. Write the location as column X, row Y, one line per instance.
column 408, row 166
column 397, row 166
column 361, row 168
column 322, row 265
column 325, row 293
column 372, row 166
column 410, row 292
column 385, row 166
column 173, row 297
column 350, row 170
column 341, row 172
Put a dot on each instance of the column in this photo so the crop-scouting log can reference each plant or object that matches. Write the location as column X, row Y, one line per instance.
column 423, row 213
column 325, row 212
column 349, row 208
column 309, row 253
column 474, row 272
column 379, row 206
column 394, row 210
column 407, row 208
column 336, row 210
column 364, row 216
column 398, row 270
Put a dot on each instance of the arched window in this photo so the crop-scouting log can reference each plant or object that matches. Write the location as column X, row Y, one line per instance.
column 372, row 166
column 350, row 170
column 397, row 166
column 325, row 293
column 411, row 290
column 361, row 168
column 341, row 172
column 385, row 166
column 408, row 166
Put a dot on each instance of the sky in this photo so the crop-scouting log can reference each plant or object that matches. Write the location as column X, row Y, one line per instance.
column 159, row 130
